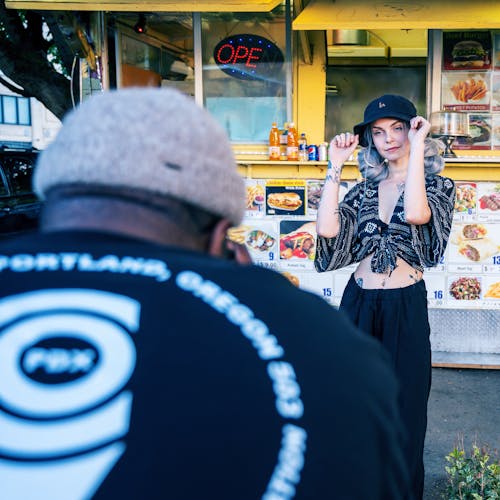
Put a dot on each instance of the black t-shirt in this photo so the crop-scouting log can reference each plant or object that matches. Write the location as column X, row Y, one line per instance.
column 132, row 370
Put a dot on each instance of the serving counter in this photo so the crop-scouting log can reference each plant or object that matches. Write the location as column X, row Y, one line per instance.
column 481, row 166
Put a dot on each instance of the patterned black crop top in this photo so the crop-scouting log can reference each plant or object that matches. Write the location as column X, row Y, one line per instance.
column 362, row 233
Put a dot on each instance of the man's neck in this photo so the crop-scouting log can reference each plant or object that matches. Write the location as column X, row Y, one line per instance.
column 119, row 217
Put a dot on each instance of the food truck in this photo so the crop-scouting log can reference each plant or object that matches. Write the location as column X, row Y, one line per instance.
column 317, row 63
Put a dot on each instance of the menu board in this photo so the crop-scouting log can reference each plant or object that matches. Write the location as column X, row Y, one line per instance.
column 467, row 50
column 470, row 82
column 280, row 234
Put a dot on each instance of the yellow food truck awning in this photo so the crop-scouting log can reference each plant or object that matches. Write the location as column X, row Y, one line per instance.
column 148, row 6
column 426, row 14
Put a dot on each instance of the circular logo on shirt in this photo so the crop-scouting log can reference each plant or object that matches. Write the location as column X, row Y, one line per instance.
column 63, row 354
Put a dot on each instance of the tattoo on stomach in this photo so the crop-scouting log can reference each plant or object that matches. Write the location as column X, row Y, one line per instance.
column 415, row 277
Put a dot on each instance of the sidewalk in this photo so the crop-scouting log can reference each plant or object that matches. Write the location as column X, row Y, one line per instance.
column 463, row 403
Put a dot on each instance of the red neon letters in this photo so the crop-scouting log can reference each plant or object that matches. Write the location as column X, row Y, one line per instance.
column 239, row 54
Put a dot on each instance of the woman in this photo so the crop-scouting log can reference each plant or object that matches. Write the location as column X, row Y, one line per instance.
column 393, row 224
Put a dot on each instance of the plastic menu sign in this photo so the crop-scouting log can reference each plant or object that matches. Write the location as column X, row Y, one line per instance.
column 285, row 197
column 467, row 50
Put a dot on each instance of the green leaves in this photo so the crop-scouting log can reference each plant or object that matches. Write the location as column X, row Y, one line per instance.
column 472, row 477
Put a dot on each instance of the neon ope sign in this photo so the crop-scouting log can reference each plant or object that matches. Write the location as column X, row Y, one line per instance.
column 237, row 54
column 248, row 57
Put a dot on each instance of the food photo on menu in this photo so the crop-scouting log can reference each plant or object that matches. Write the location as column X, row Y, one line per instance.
column 297, row 240
column 466, row 197
column 314, row 190
column 479, row 133
column 474, row 243
column 488, row 195
column 495, row 92
column 255, row 197
column 491, row 288
column 464, row 287
column 467, row 50
column 259, row 237
column 285, row 199
column 495, row 143
column 462, row 91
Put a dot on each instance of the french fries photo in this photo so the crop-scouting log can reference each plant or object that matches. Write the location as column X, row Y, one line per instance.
column 238, row 234
column 255, row 196
column 493, row 291
column 469, row 90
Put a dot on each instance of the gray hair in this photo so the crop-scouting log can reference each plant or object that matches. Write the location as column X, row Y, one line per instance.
column 374, row 167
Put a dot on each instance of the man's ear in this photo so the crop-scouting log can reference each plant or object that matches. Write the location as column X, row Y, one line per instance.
column 217, row 239
column 219, row 245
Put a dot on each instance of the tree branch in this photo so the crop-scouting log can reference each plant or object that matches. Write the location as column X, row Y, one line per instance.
column 23, row 59
column 13, row 87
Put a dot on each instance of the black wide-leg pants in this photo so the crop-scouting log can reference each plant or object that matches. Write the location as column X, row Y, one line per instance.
column 399, row 319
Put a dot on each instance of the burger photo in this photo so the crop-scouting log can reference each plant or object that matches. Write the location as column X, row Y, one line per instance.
column 468, row 54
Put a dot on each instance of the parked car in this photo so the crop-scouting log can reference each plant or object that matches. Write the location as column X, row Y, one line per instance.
column 19, row 206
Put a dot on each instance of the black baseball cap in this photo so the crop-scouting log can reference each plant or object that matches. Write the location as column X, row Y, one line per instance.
column 386, row 106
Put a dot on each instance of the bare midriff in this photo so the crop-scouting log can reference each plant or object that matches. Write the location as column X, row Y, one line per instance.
column 403, row 275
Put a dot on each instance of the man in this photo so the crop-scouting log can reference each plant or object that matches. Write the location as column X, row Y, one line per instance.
column 136, row 361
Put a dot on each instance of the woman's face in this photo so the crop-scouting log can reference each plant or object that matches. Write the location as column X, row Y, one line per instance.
column 390, row 137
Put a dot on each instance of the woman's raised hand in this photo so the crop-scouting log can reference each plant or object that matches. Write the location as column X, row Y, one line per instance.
column 419, row 128
column 342, row 146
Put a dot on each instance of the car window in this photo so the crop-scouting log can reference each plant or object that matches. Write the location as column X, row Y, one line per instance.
column 19, row 171
column 3, row 187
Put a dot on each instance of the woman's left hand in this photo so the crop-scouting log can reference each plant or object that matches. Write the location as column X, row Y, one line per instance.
column 419, row 129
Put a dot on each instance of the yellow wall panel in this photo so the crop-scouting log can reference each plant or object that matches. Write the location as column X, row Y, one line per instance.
column 310, row 92
column 148, row 6
column 428, row 14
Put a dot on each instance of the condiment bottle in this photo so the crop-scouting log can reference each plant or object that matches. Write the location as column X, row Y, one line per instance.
column 292, row 150
column 274, row 143
column 283, row 141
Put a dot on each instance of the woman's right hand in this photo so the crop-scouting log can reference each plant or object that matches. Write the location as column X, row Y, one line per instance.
column 341, row 148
